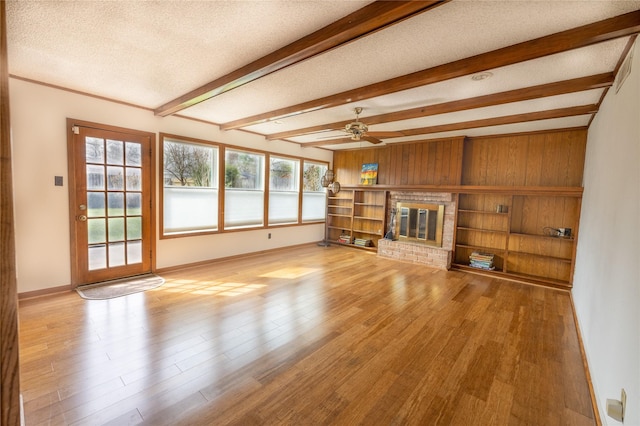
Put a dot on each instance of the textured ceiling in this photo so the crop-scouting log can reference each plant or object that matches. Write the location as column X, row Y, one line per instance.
column 149, row 53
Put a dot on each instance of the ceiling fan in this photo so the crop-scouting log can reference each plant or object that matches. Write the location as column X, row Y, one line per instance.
column 358, row 131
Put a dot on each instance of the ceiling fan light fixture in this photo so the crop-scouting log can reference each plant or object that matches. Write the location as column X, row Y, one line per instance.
column 356, row 129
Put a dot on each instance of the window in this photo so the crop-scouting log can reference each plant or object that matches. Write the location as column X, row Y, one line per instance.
column 313, row 194
column 284, row 190
column 243, row 189
column 190, row 190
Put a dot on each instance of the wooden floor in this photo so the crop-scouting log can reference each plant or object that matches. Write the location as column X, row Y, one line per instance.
column 306, row 336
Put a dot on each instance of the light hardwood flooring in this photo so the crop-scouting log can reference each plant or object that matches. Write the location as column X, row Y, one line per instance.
column 306, row 336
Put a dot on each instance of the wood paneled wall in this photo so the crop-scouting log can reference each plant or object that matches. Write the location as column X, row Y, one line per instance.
column 436, row 162
column 9, row 367
column 537, row 159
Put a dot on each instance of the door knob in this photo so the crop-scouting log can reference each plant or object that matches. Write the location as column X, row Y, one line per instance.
column 82, row 218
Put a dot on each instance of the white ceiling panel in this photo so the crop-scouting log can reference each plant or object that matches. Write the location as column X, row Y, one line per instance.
column 148, row 53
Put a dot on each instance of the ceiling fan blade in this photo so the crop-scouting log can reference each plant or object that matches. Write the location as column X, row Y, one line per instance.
column 371, row 139
column 386, row 134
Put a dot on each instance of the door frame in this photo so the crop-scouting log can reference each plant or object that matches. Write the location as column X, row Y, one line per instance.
column 71, row 179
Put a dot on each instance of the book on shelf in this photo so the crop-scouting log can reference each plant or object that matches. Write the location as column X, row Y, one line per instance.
column 362, row 242
column 481, row 260
column 344, row 239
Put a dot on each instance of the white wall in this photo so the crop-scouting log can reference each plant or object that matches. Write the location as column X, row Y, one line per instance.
column 607, row 276
column 38, row 126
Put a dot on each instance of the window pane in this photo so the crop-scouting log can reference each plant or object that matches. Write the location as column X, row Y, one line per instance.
column 190, row 164
column 94, row 150
column 243, row 208
column 134, row 228
column 313, row 206
column 95, row 177
column 116, row 203
column 190, row 209
column 283, row 207
column 244, row 170
column 97, row 231
column 134, row 252
column 312, row 176
column 134, row 179
column 97, row 257
column 133, row 154
column 95, row 204
column 313, row 195
column 115, row 152
column 190, row 190
column 116, row 229
column 115, row 178
column 134, row 204
column 284, row 180
column 116, row 254
column 283, row 174
column 244, row 189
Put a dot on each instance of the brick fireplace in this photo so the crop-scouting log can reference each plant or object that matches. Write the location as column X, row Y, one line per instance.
column 414, row 251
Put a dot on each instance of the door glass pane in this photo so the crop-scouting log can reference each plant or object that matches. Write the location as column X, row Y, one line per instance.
column 115, row 177
column 115, row 152
column 95, row 177
column 96, row 231
column 134, row 252
column 132, row 154
column 134, row 228
column 134, row 204
column 95, row 204
column 116, row 229
column 116, row 203
column 97, row 257
column 94, row 150
column 116, row 254
column 134, row 181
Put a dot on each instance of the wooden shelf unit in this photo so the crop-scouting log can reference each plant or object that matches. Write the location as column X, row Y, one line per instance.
column 523, row 239
column 358, row 213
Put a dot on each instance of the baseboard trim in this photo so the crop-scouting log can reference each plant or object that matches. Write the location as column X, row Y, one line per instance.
column 592, row 392
column 44, row 292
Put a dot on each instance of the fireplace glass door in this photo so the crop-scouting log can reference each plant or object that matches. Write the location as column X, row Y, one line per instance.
column 421, row 223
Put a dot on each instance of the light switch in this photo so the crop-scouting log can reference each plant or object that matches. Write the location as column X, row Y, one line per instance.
column 58, row 181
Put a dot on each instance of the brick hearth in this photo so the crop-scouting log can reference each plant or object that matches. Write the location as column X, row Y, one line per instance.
column 435, row 257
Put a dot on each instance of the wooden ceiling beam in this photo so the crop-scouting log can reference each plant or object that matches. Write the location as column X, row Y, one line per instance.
column 508, row 119
column 586, row 35
column 367, row 20
column 486, row 122
column 326, row 142
column 527, row 93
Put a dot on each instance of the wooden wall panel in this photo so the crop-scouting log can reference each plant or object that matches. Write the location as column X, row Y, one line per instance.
column 436, row 162
column 9, row 364
column 539, row 159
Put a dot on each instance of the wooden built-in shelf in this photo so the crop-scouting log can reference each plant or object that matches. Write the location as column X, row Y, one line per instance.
column 482, row 212
column 363, row 215
column 492, row 231
column 542, row 256
column 482, row 249
column 514, row 276
column 550, row 237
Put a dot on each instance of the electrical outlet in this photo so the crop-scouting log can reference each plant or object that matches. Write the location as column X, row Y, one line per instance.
column 269, row 236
